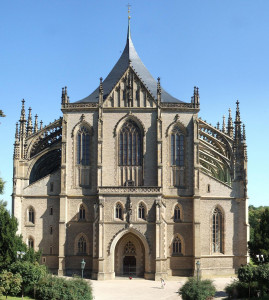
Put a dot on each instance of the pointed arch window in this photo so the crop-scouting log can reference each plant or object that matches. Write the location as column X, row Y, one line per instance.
column 141, row 211
column 217, row 231
column 177, row 157
column 130, row 147
column 177, row 246
column 118, row 211
column 31, row 242
column 83, row 146
column 82, row 212
column 31, row 215
column 82, row 245
column 177, row 213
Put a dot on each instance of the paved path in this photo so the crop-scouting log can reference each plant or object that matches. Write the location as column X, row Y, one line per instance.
column 141, row 289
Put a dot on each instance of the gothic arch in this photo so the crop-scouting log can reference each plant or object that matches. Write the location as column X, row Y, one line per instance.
column 129, row 116
column 176, row 123
column 177, row 235
column 81, row 234
column 181, row 211
column 137, row 234
column 86, row 210
column 82, row 122
column 222, row 229
column 146, row 210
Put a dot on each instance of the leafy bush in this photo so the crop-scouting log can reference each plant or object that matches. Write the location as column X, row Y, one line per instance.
column 10, row 283
column 56, row 288
column 31, row 274
column 238, row 289
column 197, row 290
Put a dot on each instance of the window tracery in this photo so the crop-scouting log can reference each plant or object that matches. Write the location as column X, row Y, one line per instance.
column 141, row 211
column 82, row 245
column 177, row 157
column 82, row 212
column 129, row 248
column 118, row 211
column 30, row 242
column 31, row 215
column 217, row 231
column 177, row 246
column 177, row 213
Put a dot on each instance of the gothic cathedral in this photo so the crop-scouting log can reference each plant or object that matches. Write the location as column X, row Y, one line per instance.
column 131, row 180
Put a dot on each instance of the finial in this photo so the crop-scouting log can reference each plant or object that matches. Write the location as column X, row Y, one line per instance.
column 41, row 125
column 129, row 17
column 230, row 124
column 29, row 123
column 244, row 132
column 218, row 125
column 101, row 85
column 237, row 118
column 22, row 110
column 17, row 131
column 36, row 124
column 223, row 125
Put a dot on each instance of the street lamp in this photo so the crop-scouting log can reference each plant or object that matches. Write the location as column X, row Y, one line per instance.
column 198, row 269
column 20, row 254
column 83, row 263
column 260, row 258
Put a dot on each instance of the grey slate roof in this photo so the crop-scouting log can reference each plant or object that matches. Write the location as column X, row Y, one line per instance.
column 129, row 55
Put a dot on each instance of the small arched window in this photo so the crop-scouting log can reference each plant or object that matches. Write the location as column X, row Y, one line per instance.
column 31, row 242
column 118, row 211
column 178, row 156
column 177, row 246
column 82, row 212
column 141, row 211
column 217, row 231
column 82, row 245
column 83, row 146
column 31, row 215
column 130, row 147
column 177, row 214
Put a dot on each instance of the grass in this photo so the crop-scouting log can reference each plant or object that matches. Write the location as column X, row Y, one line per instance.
column 14, row 298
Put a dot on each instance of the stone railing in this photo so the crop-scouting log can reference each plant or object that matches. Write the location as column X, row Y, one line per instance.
column 130, row 190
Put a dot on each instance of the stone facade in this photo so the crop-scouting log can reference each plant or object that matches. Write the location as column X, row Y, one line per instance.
column 172, row 193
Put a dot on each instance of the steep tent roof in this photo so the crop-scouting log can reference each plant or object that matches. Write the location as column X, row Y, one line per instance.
column 129, row 57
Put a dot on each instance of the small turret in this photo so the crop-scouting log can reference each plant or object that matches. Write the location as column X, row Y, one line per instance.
column 65, row 98
column 196, row 97
column 223, row 125
column 218, row 124
column 36, row 124
column 101, row 91
column 41, row 125
column 159, row 90
column 17, row 143
column 237, row 123
column 230, row 125
column 29, row 123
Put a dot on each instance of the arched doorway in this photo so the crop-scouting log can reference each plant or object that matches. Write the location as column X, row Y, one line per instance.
column 129, row 256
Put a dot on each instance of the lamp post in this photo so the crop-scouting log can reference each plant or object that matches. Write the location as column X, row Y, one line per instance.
column 83, row 263
column 260, row 258
column 198, row 269
column 20, row 254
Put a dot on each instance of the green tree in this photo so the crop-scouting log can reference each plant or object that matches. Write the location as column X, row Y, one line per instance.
column 260, row 243
column 10, row 284
column 10, row 243
column 31, row 273
column 254, row 217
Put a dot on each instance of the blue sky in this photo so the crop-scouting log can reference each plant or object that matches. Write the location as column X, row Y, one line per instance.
column 220, row 46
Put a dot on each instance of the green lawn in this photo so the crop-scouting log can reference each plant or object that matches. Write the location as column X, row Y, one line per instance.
column 15, row 298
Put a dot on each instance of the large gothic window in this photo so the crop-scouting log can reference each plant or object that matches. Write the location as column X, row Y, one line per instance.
column 177, row 157
column 83, row 156
column 130, row 153
column 217, row 231
column 82, row 245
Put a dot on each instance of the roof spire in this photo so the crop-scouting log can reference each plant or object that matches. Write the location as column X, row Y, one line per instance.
column 129, row 18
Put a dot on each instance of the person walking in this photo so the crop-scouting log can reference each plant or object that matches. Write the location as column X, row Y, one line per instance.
column 162, row 283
